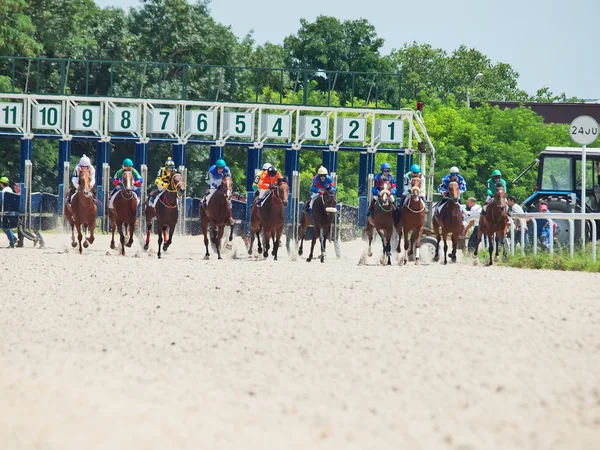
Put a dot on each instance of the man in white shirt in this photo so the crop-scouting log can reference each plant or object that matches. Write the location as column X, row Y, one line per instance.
column 9, row 233
column 474, row 212
column 515, row 208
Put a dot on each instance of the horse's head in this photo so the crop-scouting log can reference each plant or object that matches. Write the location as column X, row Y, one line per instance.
column 385, row 192
column 453, row 192
column 85, row 185
column 226, row 187
column 415, row 188
column 127, row 181
column 330, row 200
column 500, row 196
column 283, row 190
column 177, row 183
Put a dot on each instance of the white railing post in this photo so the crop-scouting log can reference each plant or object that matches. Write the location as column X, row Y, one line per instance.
column 593, row 224
column 523, row 225
column 551, row 225
column 512, row 238
column 571, row 237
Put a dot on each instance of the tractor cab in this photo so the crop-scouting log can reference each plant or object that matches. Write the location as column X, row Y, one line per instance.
column 559, row 180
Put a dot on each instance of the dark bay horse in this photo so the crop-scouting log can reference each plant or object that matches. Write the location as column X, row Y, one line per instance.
column 82, row 211
column 166, row 213
column 382, row 220
column 495, row 222
column 270, row 217
column 217, row 214
column 412, row 220
column 124, row 212
column 450, row 220
column 323, row 212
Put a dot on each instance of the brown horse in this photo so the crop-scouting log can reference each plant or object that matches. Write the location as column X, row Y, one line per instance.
column 124, row 212
column 382, row 220
column 495, row 221
column 166, row 213
column 323, row 212
column 450, row 220
column 218, row 214
column 412, row 220
column 82, row 211
column 270, row 217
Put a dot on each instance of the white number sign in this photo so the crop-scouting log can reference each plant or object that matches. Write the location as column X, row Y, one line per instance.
column 389, row 131
column 85, row 118
column 200, row 123
column 123, row 119
column 584, row 130
column 11, row 115
column 163, row 121
column 276, row 126
column 316, row 128
column 239, row 124
column 46, row 116
column 353, row 129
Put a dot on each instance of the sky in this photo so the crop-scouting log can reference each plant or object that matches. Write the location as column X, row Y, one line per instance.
column 551, row 43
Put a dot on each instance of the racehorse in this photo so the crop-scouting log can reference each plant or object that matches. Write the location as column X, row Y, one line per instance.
column 82, row 211
column 323, row 212
column 412, row 220
column 450, row 220
column 166, row 213
column 217, row 213
column 382, row 220
column 124, row 212
column 270, row 217
column 495, row 222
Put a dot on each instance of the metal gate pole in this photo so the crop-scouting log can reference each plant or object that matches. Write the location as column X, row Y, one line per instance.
column 105, row 195
column 143, row 196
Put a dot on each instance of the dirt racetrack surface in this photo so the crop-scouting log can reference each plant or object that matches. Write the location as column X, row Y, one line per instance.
column 101, row 351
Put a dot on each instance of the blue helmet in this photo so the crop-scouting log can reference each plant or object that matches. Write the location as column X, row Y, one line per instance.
column 127, row 162
column 220, row 163
column 415, row 168
column 385, row 166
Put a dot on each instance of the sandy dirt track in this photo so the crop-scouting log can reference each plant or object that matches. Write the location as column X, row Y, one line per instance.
column 101, row 351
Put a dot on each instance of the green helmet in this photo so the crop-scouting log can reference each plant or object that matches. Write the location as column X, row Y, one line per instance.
column 496, row 173
column 220, row 163
column 415, row 168
column 4, row 180
column 127, row 162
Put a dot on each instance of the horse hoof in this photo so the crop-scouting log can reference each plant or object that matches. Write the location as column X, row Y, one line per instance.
column 206, row 257
column 91, row 240
column 85, row 244
column 159, row 257
column 436, row 258
column 496, row 259
column 299, row 252
column 275, row 258
column 220, row 257
column 228, row 246
column 445, row 262
column 308, row 259
column 369, row 254
column 417, row 262
column 165, row 247
column 405, row 262
column 266, row 254
column 250, row 252
column 123, row 253
column 146, row 246
column 129, row 244
column 73, row 244
column 112, row 245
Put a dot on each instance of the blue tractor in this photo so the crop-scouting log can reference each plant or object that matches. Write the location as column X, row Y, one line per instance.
column 559, row 185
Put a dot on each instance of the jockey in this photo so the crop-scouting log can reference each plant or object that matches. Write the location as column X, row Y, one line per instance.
column 127, row 166
column 321, row 182
column 265, row 167
column 382, row 176
column 84, row 163
column 214, row 177
column 443, row 188
column 267, row 180
column 415, row 172
column 492, row 182
column 163, row 178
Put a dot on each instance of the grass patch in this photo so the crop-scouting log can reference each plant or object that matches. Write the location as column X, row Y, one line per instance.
column 561, row 260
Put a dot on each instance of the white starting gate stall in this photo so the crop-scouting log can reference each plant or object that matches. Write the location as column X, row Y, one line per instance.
column 293, row 128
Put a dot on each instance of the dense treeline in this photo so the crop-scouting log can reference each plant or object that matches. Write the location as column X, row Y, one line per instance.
column 175, row 31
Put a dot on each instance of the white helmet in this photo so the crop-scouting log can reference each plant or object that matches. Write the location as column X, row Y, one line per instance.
column 454, row 169
column 266, row 166
column 85, row 161
column 322, row 171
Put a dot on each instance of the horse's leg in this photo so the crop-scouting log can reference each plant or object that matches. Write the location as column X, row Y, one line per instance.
column 316, row 230
column 204, row 226
column 122, row 237
column 112, row 239
column 86, row 244
column 221, row 231
column 417, row 245
column 496, row 258
column 149, row 216
column 171, row 233
column 131, row 232
column 160, row 238
column 92, row 227
column 303, row 227
column 369, row 230
column 277, row 242
column 230, row 237
column 388, row 246
column 399, row 231
column 455, row 237
column 259, row 244
column 323, row 235
column 444, row 236
column 436, row 258
column 504, row 248
column 490, row 237
column 167, row 240
column 73, row 241
column 267, row 242
column 79, row 237
column 407, row 244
